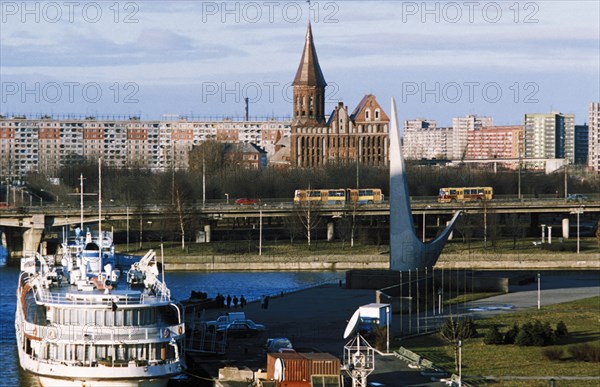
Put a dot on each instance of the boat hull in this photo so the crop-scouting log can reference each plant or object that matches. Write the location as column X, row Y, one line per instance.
column 46, row 381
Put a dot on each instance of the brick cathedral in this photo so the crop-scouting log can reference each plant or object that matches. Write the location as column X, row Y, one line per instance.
column 343, row 138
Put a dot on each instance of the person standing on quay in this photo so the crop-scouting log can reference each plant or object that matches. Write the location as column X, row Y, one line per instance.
column 235, row 301
column 228, row 301
column 262, row 301
column 242, row 301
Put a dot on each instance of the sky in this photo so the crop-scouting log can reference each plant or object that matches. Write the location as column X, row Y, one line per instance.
column 161, row 60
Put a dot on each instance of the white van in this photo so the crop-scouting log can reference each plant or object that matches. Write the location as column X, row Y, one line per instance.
column 225, row 319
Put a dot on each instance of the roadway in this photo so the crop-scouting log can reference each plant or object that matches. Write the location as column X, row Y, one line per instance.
column 58, row 215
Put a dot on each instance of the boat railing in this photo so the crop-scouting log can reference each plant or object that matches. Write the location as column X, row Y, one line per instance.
column 43, row 296
column 95, row 334
column 107, row 362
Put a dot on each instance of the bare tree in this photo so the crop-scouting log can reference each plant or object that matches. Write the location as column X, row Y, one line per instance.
column 309, row 216
column 293, row 226
column 454, row 330
column 181, row 216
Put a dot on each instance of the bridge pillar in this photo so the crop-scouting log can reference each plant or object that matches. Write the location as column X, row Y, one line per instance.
column 565, row 228
column 31, row 240
column 330, row 231
column 33, row 236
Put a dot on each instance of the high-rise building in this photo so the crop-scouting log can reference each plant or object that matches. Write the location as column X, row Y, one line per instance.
column 495, row 142
column 581, row 142
column 360, row 136
column 549, row 135
column 45, row 145
column 424, row 140
column 460, row 127
column 594, row 137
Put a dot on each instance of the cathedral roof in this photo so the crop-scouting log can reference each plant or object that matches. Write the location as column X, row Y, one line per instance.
column 309, row 72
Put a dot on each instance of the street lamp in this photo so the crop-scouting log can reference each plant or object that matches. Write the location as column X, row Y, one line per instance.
column 459, row 363
column 227, row 196
column 577, row 211
column 538, row 292
column 387, row 310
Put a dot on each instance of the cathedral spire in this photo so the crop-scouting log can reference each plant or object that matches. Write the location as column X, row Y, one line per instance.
column 309, row 72
column 309, row 86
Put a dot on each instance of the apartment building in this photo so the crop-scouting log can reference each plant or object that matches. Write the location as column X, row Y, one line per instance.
column 593, row 159
column 46, row 145
column 549, row 135
column 423, row 139
column 460, row 128
column 495, row 142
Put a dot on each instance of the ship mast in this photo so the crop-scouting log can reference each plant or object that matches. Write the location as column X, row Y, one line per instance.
column 100, row 238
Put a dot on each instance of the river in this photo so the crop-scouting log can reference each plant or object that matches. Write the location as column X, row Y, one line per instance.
column 251, row 284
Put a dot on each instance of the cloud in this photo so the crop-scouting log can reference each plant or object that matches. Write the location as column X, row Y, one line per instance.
column 151, row 46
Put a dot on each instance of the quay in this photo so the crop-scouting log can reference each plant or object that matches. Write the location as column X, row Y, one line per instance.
column 314, row 320
column 479, row 261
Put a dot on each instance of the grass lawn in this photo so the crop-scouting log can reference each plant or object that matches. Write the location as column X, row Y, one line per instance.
column 271, row 248
column 582, row 318
column 300, row 248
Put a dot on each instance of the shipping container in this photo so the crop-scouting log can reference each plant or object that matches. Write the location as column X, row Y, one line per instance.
column 323, row 363
column 295, row 366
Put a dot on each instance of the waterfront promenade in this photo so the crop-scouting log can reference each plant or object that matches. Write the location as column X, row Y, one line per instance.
column 315, row 318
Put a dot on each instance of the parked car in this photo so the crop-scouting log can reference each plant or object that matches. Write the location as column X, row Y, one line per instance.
column 278, row 344
column 245, row 201
column 226, row 319
column 577, row 198
column 242, row 328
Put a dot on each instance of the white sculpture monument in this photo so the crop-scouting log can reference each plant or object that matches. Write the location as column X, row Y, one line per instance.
column 407, row 252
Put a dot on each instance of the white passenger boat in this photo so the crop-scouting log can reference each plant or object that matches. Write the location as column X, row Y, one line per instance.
column 80, row 323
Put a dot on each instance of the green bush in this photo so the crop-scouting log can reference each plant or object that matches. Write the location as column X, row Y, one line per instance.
column 493, row 336
column 553, row 353
column 535, row 334
column 561, row 329
column 511, row 335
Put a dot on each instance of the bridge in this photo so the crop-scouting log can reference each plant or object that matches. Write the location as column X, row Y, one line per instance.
column 30, row 222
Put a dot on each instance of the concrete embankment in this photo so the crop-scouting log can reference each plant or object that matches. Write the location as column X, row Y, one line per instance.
column 491, row 261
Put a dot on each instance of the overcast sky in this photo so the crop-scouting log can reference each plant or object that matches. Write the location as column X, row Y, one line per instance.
column 438, row 59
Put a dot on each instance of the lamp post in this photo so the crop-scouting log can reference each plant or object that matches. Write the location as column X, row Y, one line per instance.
column 260, row 232
column 459, row 363
column 387, row 346
column 577, row 211
column 539, row 291
column 127, row 214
